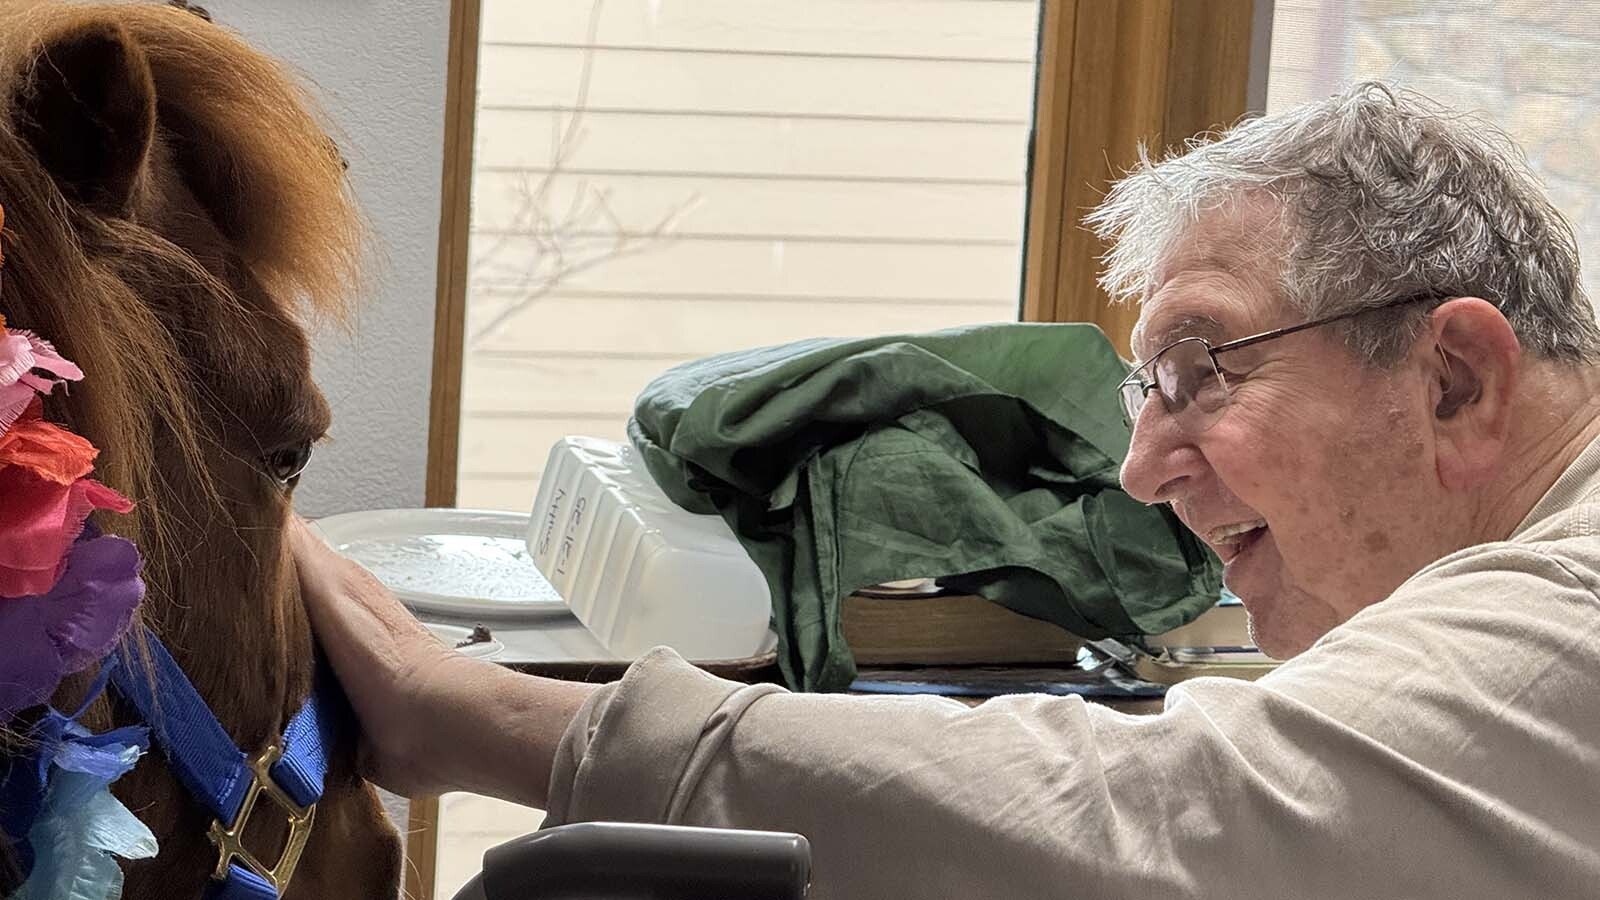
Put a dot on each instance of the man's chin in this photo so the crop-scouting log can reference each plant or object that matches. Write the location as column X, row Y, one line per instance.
column 1284, row 624
column 1268, row 643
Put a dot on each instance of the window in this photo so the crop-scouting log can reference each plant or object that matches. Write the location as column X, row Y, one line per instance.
column 745, row 172
column 1527, row 67
column 660, row 180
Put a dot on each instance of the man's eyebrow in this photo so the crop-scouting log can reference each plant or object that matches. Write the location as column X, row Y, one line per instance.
column 1174, row 329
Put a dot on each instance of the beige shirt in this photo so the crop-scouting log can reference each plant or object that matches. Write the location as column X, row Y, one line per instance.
column 1442, row 743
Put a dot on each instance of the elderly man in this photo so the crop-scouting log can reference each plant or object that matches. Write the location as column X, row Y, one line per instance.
column 1368, row 380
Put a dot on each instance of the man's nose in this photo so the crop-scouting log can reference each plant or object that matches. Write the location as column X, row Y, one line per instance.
column 1163, row 462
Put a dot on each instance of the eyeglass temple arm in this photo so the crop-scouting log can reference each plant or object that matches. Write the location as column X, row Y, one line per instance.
column 1282, row 332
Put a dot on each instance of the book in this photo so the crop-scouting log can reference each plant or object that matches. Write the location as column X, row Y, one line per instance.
column 1223, row 625
column 910, row 627
column 951, row 629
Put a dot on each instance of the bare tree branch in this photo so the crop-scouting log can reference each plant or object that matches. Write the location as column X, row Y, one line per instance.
column 587, row 234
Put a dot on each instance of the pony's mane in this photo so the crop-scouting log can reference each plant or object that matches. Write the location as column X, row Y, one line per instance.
column 252, row 147
column 276, row 190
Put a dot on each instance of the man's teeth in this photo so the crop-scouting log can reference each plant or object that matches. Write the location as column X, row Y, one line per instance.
column 1226, row 533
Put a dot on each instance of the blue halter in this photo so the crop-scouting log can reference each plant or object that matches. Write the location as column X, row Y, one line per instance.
column 230, row 785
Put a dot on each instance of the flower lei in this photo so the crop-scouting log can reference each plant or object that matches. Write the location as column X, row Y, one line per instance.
column 67, row 596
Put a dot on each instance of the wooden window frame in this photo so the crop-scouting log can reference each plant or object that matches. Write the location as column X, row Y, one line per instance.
column 455, row 222
column 1112, row 73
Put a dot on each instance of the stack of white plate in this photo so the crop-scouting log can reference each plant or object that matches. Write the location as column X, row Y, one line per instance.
column 457, row 568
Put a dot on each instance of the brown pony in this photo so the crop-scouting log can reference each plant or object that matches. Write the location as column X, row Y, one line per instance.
column 172, row 209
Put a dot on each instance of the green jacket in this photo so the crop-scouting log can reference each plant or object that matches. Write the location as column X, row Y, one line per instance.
column 985, row 456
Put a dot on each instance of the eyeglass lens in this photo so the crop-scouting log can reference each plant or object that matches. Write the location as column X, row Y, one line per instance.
column 1190, row 385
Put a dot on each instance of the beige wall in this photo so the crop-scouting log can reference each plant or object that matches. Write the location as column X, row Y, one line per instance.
column 829, row 167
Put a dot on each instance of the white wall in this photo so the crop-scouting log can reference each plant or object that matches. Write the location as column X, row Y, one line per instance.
column 380, row 68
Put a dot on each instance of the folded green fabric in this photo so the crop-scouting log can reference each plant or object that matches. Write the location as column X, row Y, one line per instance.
column 984, row 456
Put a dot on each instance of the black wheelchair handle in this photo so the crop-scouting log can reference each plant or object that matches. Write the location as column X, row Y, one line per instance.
column 622, row 861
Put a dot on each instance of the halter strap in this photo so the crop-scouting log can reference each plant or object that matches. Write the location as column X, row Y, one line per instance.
column 220, row 777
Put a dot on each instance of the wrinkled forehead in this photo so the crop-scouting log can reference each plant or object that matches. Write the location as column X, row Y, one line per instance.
column 1220, row 279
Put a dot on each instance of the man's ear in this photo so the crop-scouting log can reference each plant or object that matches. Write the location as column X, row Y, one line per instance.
column 88, row 109
column 1474, row 367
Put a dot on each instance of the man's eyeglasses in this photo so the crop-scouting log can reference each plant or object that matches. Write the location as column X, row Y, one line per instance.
column 1190, row 383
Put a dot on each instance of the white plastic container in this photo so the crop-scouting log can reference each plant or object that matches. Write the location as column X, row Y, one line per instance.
column 635, row 568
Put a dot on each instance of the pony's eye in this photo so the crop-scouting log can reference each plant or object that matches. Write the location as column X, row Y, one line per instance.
column 284, row 466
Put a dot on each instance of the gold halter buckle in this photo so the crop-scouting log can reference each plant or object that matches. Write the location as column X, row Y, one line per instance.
column 229, row 841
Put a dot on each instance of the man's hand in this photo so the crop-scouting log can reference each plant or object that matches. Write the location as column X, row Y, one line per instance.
column 432, row 719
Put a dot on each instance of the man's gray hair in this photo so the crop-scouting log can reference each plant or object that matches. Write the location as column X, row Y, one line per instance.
column 1381, row 195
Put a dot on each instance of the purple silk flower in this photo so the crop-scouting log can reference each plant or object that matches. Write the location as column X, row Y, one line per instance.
column 74, row 626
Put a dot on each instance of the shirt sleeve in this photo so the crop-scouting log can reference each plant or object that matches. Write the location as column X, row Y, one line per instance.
column 1442, row 743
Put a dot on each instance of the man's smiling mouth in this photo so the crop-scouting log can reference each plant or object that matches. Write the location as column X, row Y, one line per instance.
column 1231, row 540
